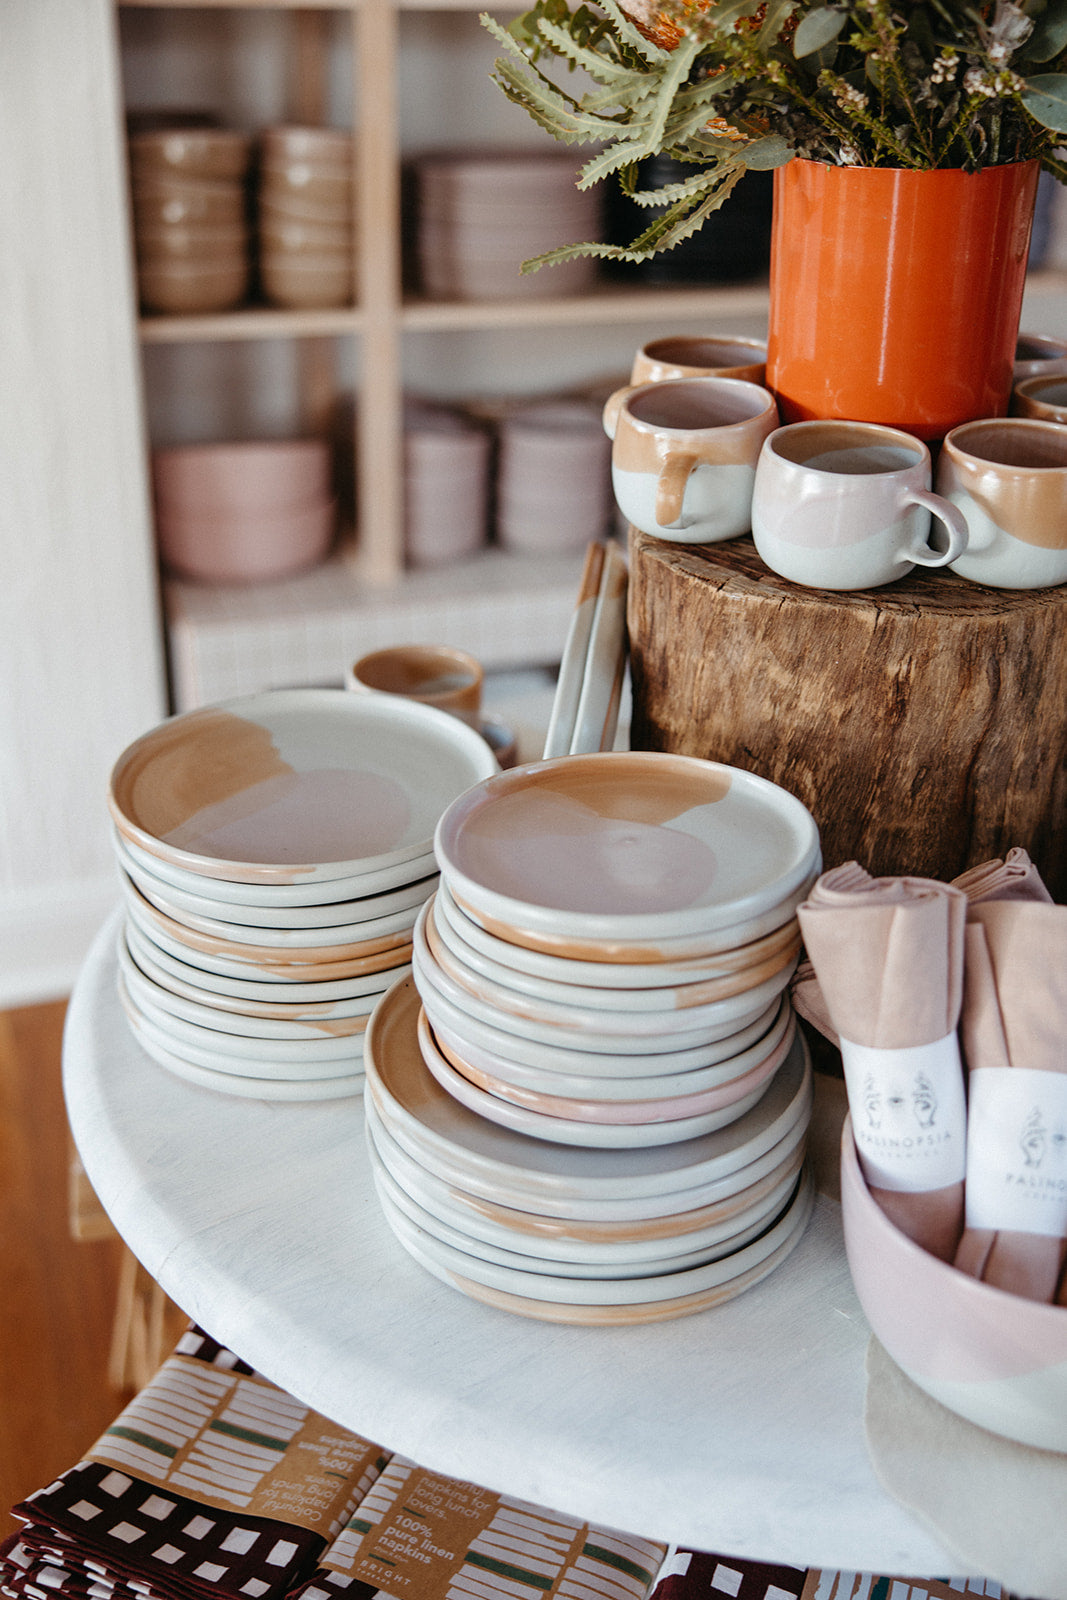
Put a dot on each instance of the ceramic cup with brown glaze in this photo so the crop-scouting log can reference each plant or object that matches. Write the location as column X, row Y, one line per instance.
column 847, row 505
column 684, row 455
column 435, row 674
column 693, row 357
column 1044, row 397
column 1039, row 354
column 1008, row 476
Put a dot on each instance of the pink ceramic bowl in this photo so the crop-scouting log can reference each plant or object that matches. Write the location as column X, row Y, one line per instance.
column 253, row 548
column 995, row 1359
column 242, row 475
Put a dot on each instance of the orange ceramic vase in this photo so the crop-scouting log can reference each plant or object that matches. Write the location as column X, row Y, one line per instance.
column 896, row 294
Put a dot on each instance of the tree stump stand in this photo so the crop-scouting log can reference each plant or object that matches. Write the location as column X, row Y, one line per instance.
column 924, row 724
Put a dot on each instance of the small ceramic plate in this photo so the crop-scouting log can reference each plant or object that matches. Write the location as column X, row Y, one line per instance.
column 464, row 1029
column 233, row 1052
column 220, row 1072
column 341, row 915
column 608, row 1134
column 610, row 1256
column 546, row 1000
column 612, row 1108
column 674, row 1290
column 287, row 944
column 295, row 785
column 494, row 957
column 274, row 968
column 627, row 1033
column 624, row 845
column 153, row 996
column 312, row 1001
column 514, row 1169
column 330, row 891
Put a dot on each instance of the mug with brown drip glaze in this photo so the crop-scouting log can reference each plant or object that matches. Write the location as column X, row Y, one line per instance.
column 1008, row 475
column 684, row 453
column 1044, row 397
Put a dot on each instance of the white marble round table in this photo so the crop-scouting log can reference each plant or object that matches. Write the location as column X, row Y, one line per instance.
column 738, row 1430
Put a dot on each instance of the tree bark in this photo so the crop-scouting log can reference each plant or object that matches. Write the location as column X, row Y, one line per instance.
column 924, row 724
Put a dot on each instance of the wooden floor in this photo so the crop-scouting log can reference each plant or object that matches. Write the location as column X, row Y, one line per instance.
column 57, row 1294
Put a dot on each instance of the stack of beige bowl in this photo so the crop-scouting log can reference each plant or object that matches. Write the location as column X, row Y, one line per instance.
column 245, row 511
column 190, row 217
column 305, row 217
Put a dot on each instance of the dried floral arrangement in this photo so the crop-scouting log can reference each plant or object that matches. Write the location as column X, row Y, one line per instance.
column 731, row 85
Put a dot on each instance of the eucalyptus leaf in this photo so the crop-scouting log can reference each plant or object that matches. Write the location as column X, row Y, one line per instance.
column 1050, row 33
column 1045, row 97
column 816, row 30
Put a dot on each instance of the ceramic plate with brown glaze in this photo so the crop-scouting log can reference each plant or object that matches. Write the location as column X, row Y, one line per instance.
column 295, row 785
column 623, row 845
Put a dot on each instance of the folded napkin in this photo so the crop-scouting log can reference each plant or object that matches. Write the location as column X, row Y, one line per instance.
column 1014, row 1033
column 1014, row 878
column 212, row 1482
column 888, row 956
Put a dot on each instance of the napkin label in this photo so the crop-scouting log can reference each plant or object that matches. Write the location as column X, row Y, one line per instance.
column 1017, row 1150
column 909, row 1113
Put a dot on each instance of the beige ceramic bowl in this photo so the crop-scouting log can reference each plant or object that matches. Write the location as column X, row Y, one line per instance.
column 306, row 281
column 295, row 142
column 194, row 243
column 989, row 1356
column 194, row 152
column 243, row 476
column 232, row 548
column 280, row 207
column 178, row 288
column 162, row 204
column 305, row 238
column 324, row 185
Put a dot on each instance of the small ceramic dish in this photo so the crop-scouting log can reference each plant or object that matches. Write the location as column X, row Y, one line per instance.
column 994, row 1358
column 279, row 971
column 624, row 845
column 617, row 1300
column 242, row 949
column 511, row 1168
column 625, row 1033
column 303, row 1057
column 628, row 1265
column 335, row 943
column 607, row 1134
column 523, row 962
column 339, row 914
column 231, row 1083
column 261, row 1067
column 323, row 1000
column 294, row 786
column 545, row 1078
column 464, row 1031
column 529, row 1233
column 154, row 998
column 509, row 989
column 635, row 1217
column 610, row 1108
column 333, row 891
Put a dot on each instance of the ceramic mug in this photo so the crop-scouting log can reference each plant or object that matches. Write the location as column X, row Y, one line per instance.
column 1038, row 354
column 435, row 674
column 1008, row 476
column 694, row 357
column 684, row 453
column 1044, row 397
column 847, row 505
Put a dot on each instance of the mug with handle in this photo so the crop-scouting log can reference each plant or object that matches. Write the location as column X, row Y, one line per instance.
column 848, row 505
column 1008, row 477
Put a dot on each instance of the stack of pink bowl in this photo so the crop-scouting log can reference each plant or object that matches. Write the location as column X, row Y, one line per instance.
column 245, row 511
column 480, row 214
column 603, row 968
column 305, row 217
column 190, row 217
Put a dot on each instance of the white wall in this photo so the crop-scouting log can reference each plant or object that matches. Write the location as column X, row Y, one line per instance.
column 81, row 667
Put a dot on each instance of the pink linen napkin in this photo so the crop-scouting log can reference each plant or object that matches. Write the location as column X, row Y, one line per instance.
column 1014, row 1033
column 888, row 957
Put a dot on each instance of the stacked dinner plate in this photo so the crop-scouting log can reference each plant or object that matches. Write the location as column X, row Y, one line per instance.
column 275, row 852
column 600, row 978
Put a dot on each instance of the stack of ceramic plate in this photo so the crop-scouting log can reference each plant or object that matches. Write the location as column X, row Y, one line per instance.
column 569, row 1234
column 447, row 458
column 480, row 214
column 553, row 482
column 275, row 852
